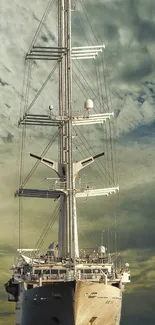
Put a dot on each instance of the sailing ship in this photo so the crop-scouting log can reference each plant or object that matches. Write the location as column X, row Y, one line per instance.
column 66, row 285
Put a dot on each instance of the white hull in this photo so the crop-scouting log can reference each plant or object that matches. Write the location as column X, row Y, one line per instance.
column 70, row 303
column 105, row 305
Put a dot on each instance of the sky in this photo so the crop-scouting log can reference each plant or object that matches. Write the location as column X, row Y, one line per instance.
column 127, row 27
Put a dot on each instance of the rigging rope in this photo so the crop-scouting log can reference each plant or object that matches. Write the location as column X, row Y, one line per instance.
column 109, row 130
column 22, row 142
column 104, row 127
column 83, row 89
column 95, row 96
column 38, row 161
column 95, row 89
column 82, row 29
column 86, row 140
column 98, row 85
column 113, row 127
column 48, row 226
column 97, row 40
column 27, row 108
column 92, row 237
column 23, row 135
column 111, row 133
column 27, row 91
column 42, row 154
column 44, row 17
column 23, row 88
column 42, row 87
column 92, row 151
column 98, row 171
column 88, row 19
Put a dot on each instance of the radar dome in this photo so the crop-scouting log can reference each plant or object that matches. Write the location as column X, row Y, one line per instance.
column 51, row 107
column 89, row 104
column 101, row 250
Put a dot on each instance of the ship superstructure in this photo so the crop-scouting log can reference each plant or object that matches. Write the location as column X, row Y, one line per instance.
column 66, row 286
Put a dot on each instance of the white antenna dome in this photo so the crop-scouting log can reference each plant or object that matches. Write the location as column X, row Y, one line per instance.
column 51, row 107
column 101, row 250
column 89, row 104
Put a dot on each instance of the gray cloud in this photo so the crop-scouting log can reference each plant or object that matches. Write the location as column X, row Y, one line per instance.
column 128, row 30
column 126, row 27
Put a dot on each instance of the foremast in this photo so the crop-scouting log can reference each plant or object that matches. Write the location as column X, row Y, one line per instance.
column 65, row 168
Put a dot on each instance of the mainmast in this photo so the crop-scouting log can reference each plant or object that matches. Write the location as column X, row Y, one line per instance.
column 66, row 169
column 65, row 110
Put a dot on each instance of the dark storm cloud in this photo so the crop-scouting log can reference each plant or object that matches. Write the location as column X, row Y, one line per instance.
column 123, row 26
column 143, row 68
column 145, row 31
column 135, row 222
column 143, row 28
column 110, row 31
column 128, row 25
column 3, row 83
column 142, row 134
column 127, row 29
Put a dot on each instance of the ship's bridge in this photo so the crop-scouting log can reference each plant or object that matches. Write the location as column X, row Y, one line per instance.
column 60, row 272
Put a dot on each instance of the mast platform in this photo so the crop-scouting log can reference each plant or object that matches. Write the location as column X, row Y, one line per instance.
column 51, row 120
column 56, row 193
column 35, row 193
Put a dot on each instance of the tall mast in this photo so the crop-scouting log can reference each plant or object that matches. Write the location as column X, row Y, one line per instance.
column 66, row 169
column 65, row 110
column 61, row 44
column 69, row 127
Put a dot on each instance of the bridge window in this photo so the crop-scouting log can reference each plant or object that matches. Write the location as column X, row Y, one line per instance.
column 86, row 271
column 54, row 271
column 62, row 271
column 105, row 270
column 96, row 271
column 46, row 271
column 37, row 271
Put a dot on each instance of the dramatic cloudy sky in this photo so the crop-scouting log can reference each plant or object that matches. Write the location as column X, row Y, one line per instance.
column 127, row 27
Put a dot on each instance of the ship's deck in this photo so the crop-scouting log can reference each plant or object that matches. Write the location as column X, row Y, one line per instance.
column 42, row 274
